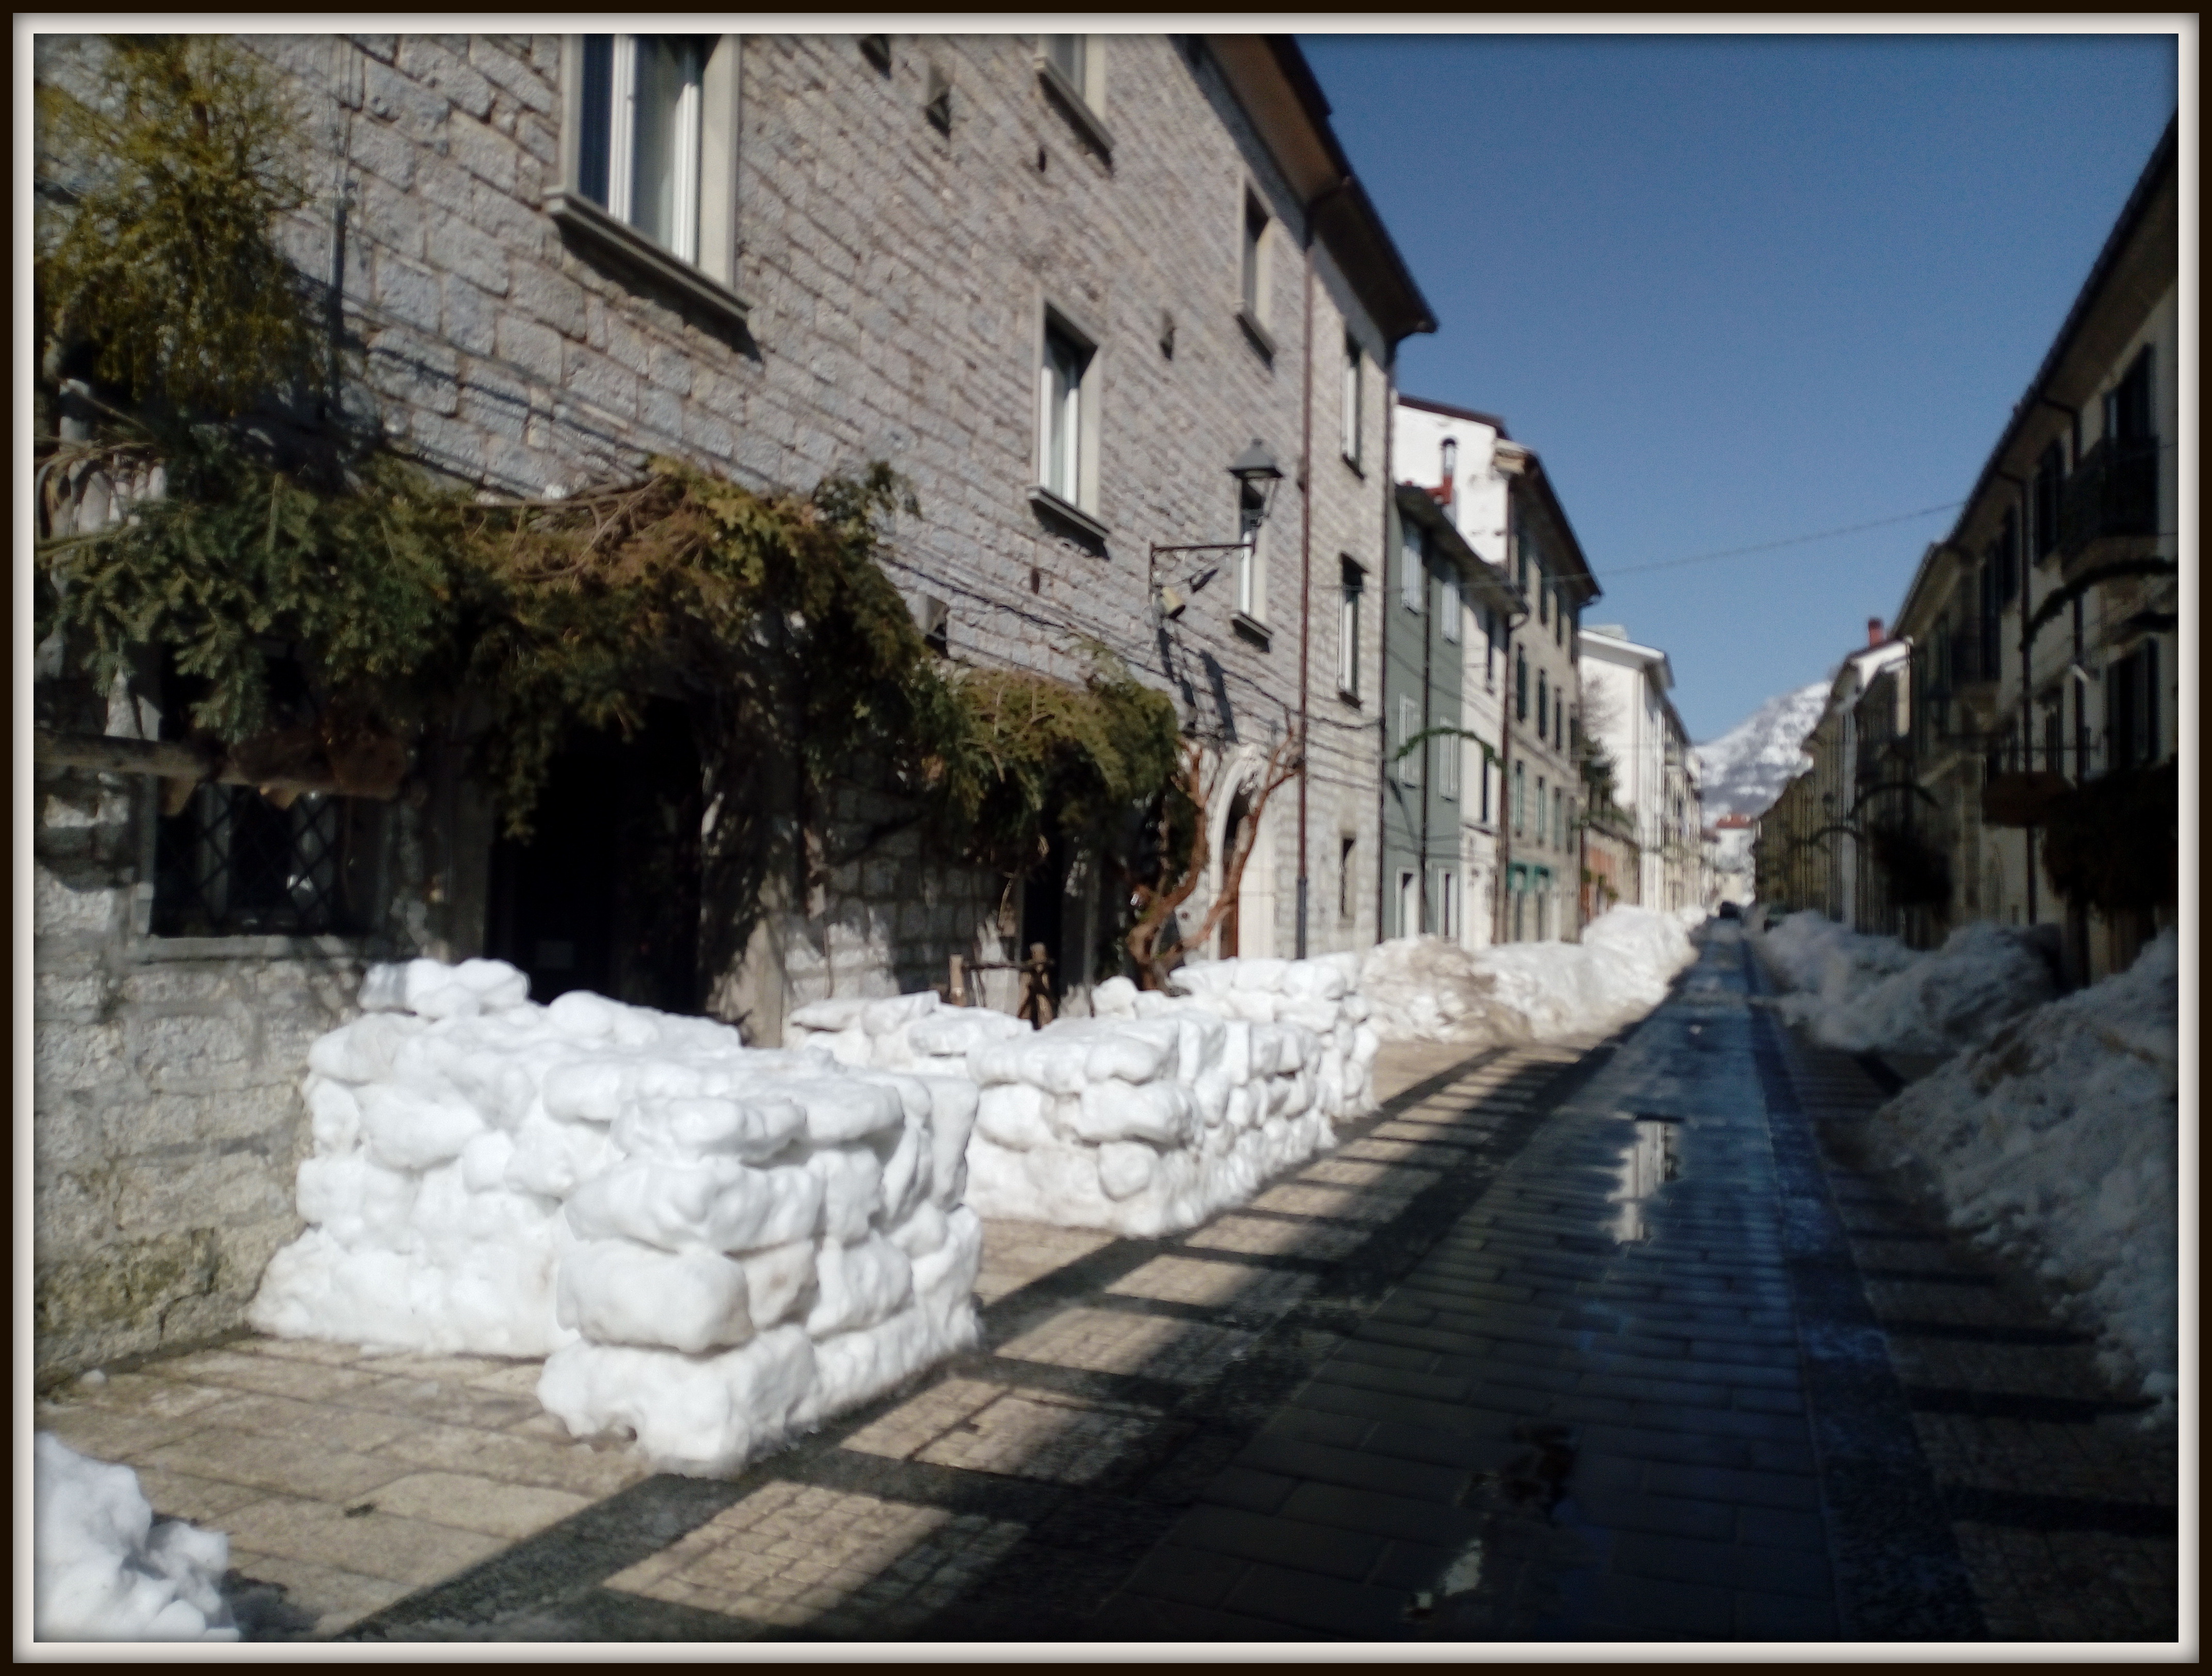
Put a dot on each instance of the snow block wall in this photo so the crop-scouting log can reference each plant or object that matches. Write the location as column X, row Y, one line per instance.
column 1152, row 1114
column 715, row 1246
column 102, row 1570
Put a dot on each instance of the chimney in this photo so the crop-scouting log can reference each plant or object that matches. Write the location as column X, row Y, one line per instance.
column 1874, row 631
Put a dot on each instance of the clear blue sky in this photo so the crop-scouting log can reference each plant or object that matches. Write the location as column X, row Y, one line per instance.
column 1734, row 289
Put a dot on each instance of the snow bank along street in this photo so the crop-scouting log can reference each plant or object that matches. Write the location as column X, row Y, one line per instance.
column 1860, row 992
column 2053, row 1128
column 2059, row 1139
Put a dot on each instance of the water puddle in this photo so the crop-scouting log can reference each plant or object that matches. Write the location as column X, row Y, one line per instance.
column 1651, row 1161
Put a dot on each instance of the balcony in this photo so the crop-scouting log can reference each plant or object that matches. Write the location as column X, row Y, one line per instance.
column 2113, row 493
column 1977, row 660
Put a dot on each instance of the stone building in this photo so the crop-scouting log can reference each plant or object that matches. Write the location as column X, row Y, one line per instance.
column 2045, row 623
column 1063, row 284
column 1527, row 857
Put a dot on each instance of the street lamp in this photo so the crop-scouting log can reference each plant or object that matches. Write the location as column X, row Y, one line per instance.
column 1257, row 475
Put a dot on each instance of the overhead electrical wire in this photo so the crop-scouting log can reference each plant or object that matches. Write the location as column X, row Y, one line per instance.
column 1787, row 541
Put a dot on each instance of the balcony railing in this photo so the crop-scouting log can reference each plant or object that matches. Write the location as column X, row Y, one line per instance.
column 2113, row 492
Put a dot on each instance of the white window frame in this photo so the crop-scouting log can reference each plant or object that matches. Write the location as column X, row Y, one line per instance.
column 1255, row 280
column 1354, row 379
column 1068, row 478
column 1347, row 630
column 1520, row 796
column 1082, row 95
column 1252, row 556
column 1412, row 565
column 1448, row 608
column 702, row 265
column 1449, row 746
column 1409, row 723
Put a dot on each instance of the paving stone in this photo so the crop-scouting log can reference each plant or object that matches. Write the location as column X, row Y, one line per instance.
column 1397, row 1517
column 287, row 1465
column 375, row 1543
column 469, row 1503
column 1326, row 1603
column 1324, row 1549
column 1369, row 1468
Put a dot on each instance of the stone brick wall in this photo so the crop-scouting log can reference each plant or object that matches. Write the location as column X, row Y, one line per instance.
column 898, row 277
column 165, row 1088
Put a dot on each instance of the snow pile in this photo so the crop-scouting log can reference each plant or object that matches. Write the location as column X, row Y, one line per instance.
column 717, row 1245
column 1857, row 992
column 2061, row 1135
column 1425, row 989
column 102, row 1571
column 1319, row 994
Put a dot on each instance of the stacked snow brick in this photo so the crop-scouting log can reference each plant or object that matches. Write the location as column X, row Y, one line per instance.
column 1153, row 1113
column 915, row 1033
column 715, row 1246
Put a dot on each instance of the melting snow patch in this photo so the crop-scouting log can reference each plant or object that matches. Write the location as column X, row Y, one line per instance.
column 715, row 1246
column 2060, row 1134
column 102, row 1570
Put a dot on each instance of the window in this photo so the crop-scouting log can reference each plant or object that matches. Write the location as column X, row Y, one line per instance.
column 1347, row 631
column 1252, row 557
column 1409, row 902
column 1352, row 399
column 1345, row 850
column 1483, row 768
column 1254, row 293
column 1520, row 684
column 649, row 156
column 2131, row 721
column 1520, row 796
column 2050, row 473
column 1489, row 649
column 1447, row 607
column 2127, row 404
column 1409, row 723
column 1543, row 599
column 1541, row 835
column 1543, row 706
column 1448, row 750
column 1062, row 466
column 638, row 158
column 1560, row 817
column 1073, row 69
column 1067, row 54
column 1410, row 580
column 1560, row 622
column 1445, row 878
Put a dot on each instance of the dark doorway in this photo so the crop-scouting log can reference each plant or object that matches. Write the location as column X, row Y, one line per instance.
column 1232, row 835
column 605, row 895
column 1044, row 917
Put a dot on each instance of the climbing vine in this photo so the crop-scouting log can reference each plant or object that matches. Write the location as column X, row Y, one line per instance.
column 400, row 601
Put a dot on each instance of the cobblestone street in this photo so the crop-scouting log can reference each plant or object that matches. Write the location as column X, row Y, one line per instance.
column 1615, row 1343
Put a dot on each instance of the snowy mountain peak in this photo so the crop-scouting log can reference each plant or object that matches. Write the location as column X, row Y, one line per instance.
column 1745, row 769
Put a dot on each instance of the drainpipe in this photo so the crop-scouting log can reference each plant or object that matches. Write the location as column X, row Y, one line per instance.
column 2026, row 708
column 1428, row 790
column 1305, row 574
column 1505, row 806
column 1382, row 643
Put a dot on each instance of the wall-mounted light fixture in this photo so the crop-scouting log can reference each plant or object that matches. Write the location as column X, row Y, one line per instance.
column 1258, row 475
